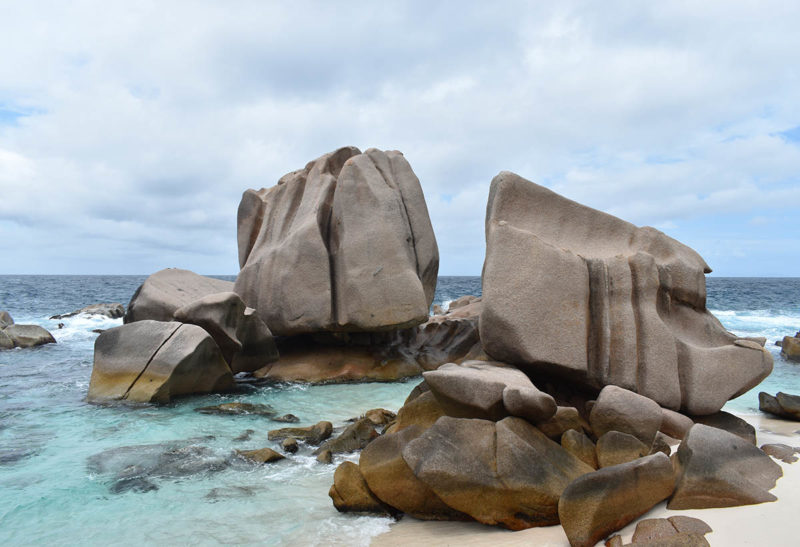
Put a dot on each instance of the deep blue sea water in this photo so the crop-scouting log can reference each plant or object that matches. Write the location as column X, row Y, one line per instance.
column 64, row 464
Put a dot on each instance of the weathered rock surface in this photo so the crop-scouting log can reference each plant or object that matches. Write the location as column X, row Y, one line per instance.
column 718, row 469
column 344, row 244
column 790, row 347
column 290, row 445
column 394, row 483
column 619, row 409
column 113, row 310
column 237, row 409
column 261, row 455
column 730, row 423
column 354, row 437
column 782, row 404
column 477, row 389
column 565, row 418
column 314, row 434
column 572, row 290
column 154, row 361
column 165, row 291
column 676, row 531
column 245, row 341
column 783, row 452
column 5, row 341
column 615, row 447
column 579, row 445
column 27, row 336
column 505, row 473
column 423, row 411
column 350, row 492
column 5, row 319
column 675, row 424
column 594, row 505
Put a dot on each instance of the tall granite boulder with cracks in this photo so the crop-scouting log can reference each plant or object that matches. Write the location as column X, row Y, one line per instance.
column 343, row 245
column 572, row 291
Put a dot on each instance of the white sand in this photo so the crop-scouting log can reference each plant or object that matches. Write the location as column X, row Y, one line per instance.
column 763, row 524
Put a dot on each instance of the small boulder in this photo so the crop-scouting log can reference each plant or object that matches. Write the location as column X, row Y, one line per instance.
column 380, row 416
column 314, row 434
column 730, row 423
column 790, row 348
column 719, row 469
column 674, row 424
column 28, row 336
column 165, row 291
column 783, row 452
column 354, row 437
column 615, row 447
column 529, row 403
column 579, row 445
column 474, row 389
column 678, row 531
column 286, row 418
column 565, row 418
column 289, row 444
column 154, row 361
column 113, row 310
column 237, row 409
column 596, row 504
column 507, row 473
column 5, row 319
column 393, row 482
column 325, row 457
column 423, row 410
column 689, row 525
column 244, row 339
column 619, row 409
column 350, row 492
column 262, row 455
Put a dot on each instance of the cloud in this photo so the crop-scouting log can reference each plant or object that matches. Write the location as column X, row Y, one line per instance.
column 140, row 125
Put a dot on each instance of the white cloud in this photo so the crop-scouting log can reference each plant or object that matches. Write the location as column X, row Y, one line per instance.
column 148, row 121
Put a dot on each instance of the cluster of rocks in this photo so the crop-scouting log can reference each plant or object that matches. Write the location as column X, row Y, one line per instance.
column 113, row 310
column 790, row 347
column 781, row 404
column 13, row 335
column 479, row 441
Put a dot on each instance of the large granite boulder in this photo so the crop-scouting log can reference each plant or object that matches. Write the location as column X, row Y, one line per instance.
column 344, row 244
column 594, row 505
column 28, row 336
column 165, row 291
column 507, row 473
column 154, row 361
column 244, row 339
column 718, row 469
column 491, row 391
column 574, row 291
column 350, row 493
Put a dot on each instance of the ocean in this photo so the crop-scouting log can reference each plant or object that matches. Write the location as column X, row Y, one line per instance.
column 73, row 473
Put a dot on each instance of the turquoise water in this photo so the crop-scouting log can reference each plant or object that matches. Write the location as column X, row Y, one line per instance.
column 73, row 473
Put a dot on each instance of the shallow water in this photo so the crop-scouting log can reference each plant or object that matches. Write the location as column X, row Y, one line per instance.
column 66, row 477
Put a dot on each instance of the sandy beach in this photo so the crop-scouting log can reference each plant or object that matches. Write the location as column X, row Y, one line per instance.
column 763, row 524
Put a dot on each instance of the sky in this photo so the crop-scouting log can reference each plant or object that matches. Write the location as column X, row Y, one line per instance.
column 129, row 130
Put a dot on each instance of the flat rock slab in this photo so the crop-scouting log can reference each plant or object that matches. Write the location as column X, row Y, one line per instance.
column 113, row 310
column 314, row 434
column 261, row 455
column 594, row 505
column 718, row 469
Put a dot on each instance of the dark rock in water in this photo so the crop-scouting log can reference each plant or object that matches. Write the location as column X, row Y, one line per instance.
column 314, row 434
column 261, row 455
column 112, row 310
column 627, row 304
column 230, row 492
column 153, row 361
column 13, row 455
column 244, row 436
column 28, row 336
column 783, row 405
column 286, row 418
column 359, row 253
column 98, row 331
column 325, row 457
column 354, row 437
column 719, row 469
column 730, row 423
column 290, row 445
column 238, row 409
column 5, row 319
column 596, row 504
column 137, row 467
column 783, row 452
column 165, row 291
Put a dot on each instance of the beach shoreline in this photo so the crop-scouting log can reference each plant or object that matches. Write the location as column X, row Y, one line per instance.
column 762, row 524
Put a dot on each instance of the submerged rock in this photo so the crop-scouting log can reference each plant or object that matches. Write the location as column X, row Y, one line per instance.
column 154, row 361
column 113, row 310
column 161, row 294
column 572, row 290
column 238, row 409
column 344, row 244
